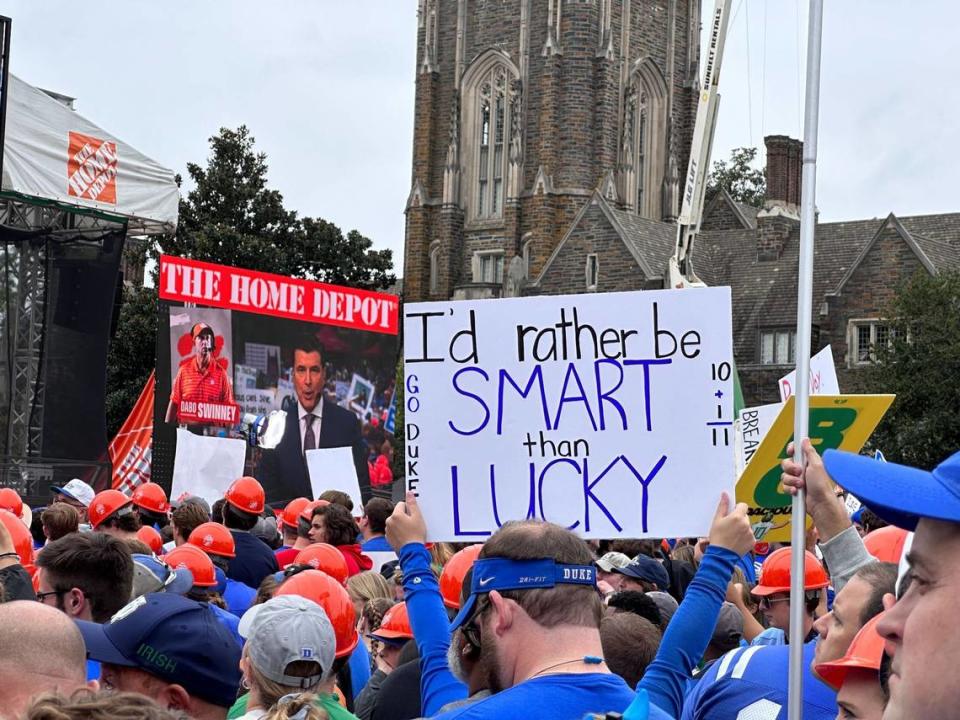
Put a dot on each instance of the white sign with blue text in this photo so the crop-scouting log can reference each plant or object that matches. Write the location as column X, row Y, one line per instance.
column 610, row 414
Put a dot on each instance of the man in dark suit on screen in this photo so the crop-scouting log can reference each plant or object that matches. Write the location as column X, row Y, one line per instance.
column 315, row 422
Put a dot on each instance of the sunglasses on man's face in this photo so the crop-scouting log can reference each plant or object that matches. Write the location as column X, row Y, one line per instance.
column 767, row 602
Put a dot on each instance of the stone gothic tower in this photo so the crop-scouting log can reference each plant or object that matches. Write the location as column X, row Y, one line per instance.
column 524, row 109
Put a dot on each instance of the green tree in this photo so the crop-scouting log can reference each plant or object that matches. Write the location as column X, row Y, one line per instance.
column 232, row 217
column 921, row 365
column 744, row 182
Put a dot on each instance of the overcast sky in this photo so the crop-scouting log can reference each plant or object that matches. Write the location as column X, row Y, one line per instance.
column 327, row 89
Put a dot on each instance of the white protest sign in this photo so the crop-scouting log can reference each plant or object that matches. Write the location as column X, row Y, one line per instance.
column 206, row 466
column 754, row 424
column 823, row 376
column 245, row 377
column 256, row 402
column 610, row 414
column 333, row 469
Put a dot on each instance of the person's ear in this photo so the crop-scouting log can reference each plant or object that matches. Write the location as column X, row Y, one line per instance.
column 503, row 613
column 174, row 697
column 74, row 602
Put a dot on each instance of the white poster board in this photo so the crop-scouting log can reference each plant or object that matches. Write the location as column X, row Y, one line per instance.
column 610, row 414
column 206, row 466
column 754, row 424
column 823, row 376
column 333, row 469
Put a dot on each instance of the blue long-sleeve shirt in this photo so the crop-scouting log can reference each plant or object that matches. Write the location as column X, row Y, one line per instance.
column 431, row 630
column 689, row 632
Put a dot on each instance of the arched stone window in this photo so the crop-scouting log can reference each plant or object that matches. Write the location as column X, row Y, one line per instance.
column 643, row 149
column 434, row 268
column 490, row 91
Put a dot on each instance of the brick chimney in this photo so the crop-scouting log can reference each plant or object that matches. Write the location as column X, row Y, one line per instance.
column 780, row 216
column 784, row 169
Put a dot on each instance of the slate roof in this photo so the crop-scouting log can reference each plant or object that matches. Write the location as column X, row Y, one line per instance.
column 765, row 292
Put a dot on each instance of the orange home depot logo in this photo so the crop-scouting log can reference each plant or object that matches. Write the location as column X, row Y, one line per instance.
column 92, row 168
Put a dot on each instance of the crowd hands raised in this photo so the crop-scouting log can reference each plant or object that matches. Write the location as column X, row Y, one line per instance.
column 128, row 608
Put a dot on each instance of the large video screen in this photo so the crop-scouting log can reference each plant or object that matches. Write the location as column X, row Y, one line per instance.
column 242, row 345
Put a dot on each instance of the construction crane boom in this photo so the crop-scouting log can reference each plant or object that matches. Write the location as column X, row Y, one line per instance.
column 680, row 272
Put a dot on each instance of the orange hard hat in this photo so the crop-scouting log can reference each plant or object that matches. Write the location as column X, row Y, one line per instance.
column 321, row 556
column 246, row 494
column 326, row 592
column 864, row 653
column 451, row 579
column 10, row 500
column 104, row 504
column 775, row 573
column 214, row 539
column 306, row 513
column 196, row 561
column 395, row 624
column 149, row 536
column 886, row 543
column 151, row 496
column 20, row 534
column 292, row 511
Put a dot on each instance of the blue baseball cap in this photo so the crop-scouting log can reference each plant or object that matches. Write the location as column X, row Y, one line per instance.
column 151, row 575
column 498, row 573
column 174, row 638
column 899, row 494
column 648, row 569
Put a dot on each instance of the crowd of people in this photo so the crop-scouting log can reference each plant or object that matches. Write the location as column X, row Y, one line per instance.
column 121, row 606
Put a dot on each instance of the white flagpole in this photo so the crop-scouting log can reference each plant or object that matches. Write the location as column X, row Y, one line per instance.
column 808, row 199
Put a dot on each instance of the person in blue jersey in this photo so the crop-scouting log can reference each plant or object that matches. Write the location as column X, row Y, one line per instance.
column 751, row 684
column 373, row 525
column 923, row 643
column 534, row 616
column 41, row 651
column 88, row 576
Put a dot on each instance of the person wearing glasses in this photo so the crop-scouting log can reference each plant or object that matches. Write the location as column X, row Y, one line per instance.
column 773, row 594
column 88, row 576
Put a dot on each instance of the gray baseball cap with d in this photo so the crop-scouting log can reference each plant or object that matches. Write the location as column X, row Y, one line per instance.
column 288, row 629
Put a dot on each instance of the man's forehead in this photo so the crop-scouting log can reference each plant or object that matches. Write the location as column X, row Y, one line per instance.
column 302, row 357
column 935, row 542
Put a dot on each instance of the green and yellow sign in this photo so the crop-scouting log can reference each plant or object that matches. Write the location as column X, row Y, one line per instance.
column 842, row 422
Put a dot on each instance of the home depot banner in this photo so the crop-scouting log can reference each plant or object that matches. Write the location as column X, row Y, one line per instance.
column 53, row 152
column 130, row 450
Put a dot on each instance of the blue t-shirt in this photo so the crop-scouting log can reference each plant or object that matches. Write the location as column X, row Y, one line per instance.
column 93, row 670
column 554, row 697
column 359, row 664
column 238, row 597
column 376, row 544
column 752, row 682
column 230, row 621
column 254, row 561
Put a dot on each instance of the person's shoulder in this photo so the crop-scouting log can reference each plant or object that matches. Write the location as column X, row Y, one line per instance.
column 332, row 410
column 770, row 636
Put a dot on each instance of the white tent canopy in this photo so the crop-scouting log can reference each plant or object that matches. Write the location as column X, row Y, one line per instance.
column 52, row 152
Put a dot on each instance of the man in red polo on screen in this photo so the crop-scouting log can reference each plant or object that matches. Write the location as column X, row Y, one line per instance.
column 200, row 380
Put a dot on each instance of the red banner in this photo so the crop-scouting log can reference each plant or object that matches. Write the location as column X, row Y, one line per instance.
column 208, row 413
column 130, row 450
column 192, row 281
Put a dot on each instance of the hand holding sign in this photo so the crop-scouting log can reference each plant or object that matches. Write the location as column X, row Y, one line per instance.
column 406, row 525
column 827, row 512
column 731, row 529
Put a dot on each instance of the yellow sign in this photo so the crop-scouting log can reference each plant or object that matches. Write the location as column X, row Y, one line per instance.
column 842, row 422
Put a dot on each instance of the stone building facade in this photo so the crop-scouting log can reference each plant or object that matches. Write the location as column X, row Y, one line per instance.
column 576, row 189
column 525, row 108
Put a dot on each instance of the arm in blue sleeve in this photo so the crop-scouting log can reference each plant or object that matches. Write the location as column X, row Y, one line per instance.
column 689, row 631
column 431, row 630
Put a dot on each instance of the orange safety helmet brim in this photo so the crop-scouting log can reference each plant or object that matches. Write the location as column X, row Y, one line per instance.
column 775, row 573
column 151, row 496
column 214, row 539
column 151, row 538
column 321, row 556
column 20, row 534
column 864, row 653
column 246, row 494
column 104, row 504
column 196, row 561
column 307, row 512
column 395, row 624
column 326, row 592
column 886, row 543
column 451, row 579
column 291, row 512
